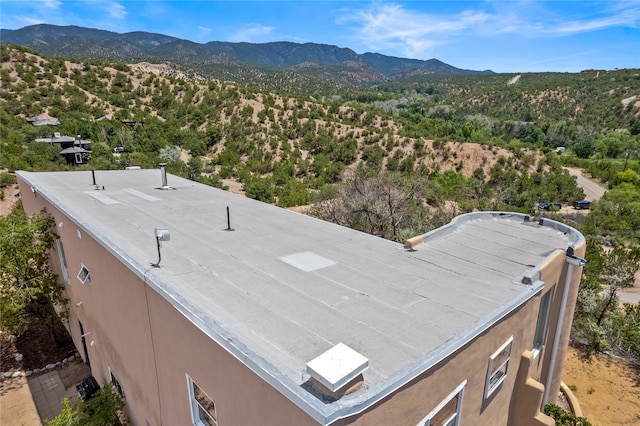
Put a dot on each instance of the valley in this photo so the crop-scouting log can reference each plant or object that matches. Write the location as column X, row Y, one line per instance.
column 394, row 154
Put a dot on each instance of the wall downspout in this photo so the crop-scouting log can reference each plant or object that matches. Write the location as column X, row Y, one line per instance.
column 572, row 260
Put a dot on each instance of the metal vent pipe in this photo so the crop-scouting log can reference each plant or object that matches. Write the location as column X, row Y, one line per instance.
column 163, row 173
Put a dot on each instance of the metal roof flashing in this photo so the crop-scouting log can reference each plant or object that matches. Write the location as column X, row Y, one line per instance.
column 298, row 260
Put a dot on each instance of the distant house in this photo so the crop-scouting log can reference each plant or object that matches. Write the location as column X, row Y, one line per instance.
column 75, row 155
column 132, row 123
column 75, row 150
column 104, row 117
column 44, row 121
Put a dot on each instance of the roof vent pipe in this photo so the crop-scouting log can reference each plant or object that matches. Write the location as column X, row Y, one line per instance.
column 163, row 173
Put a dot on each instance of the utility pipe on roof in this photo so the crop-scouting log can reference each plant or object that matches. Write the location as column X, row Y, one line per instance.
column 572, row 261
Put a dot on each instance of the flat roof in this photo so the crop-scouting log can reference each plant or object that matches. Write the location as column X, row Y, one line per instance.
column 283, row 288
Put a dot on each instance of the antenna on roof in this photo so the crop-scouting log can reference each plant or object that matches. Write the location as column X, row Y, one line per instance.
column 93, row 174
column 229, row 228
column 161, row 235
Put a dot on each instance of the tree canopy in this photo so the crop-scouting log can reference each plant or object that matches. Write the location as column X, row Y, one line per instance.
column 29, row 291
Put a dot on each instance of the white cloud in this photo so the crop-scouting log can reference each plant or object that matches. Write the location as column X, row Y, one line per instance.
column 113, row 9
column 251, row 33
column 387, row 26
column 203, row 32
column 553, row 23
column 50, row 4
column 28, row 20
column 391, row 26
column 625, row 19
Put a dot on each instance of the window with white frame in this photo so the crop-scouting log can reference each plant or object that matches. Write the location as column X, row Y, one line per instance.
column 498, row 367
column 543, row 319
column 83, row 275
column 63, row 262
column 447, row 413
column 203, row 408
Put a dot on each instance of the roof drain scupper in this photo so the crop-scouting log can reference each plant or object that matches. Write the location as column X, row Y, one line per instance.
column 163, row 173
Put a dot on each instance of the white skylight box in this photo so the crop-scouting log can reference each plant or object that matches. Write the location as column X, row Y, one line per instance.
column 307, row 261
column 337, row 366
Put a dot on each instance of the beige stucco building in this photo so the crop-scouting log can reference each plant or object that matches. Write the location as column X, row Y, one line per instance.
column 210, row 308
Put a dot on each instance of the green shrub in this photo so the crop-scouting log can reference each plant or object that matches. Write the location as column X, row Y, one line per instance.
column 7, row 179
column 564, row 418
column 104, row 409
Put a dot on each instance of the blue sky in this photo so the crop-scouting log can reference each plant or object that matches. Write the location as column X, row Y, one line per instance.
column 504, row 36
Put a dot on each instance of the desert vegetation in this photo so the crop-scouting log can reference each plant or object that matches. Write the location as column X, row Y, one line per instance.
column 395, row 159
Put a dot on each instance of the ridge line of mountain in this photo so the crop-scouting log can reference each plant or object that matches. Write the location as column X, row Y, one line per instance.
column 81, row 42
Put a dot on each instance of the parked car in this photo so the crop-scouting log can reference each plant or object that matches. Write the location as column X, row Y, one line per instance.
column 582, row 204
column 548, row 205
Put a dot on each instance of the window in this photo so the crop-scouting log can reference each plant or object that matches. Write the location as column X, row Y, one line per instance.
column 116, row 384
column 447, row 413
column 541, row 325
column 63, row 262
column 83, row 275
column 498, row 367
column 203, row 408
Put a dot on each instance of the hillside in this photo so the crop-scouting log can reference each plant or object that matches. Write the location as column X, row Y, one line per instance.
column 220, row 58
column 294, row 149
column 594, row 99
column 395, row 158
column 392, row 163
column 279, row 127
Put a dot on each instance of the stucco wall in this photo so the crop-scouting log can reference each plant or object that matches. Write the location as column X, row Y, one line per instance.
column 415, row 400
column 554, row 272
column 151, row 347
column 112, row 309
column 241, row 397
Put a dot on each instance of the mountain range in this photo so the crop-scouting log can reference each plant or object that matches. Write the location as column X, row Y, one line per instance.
column 318, row 60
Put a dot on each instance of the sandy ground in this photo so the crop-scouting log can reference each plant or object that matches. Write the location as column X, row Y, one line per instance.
column 9, row 201
column 234, row 186
column 607, row 388
column 16, row 404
